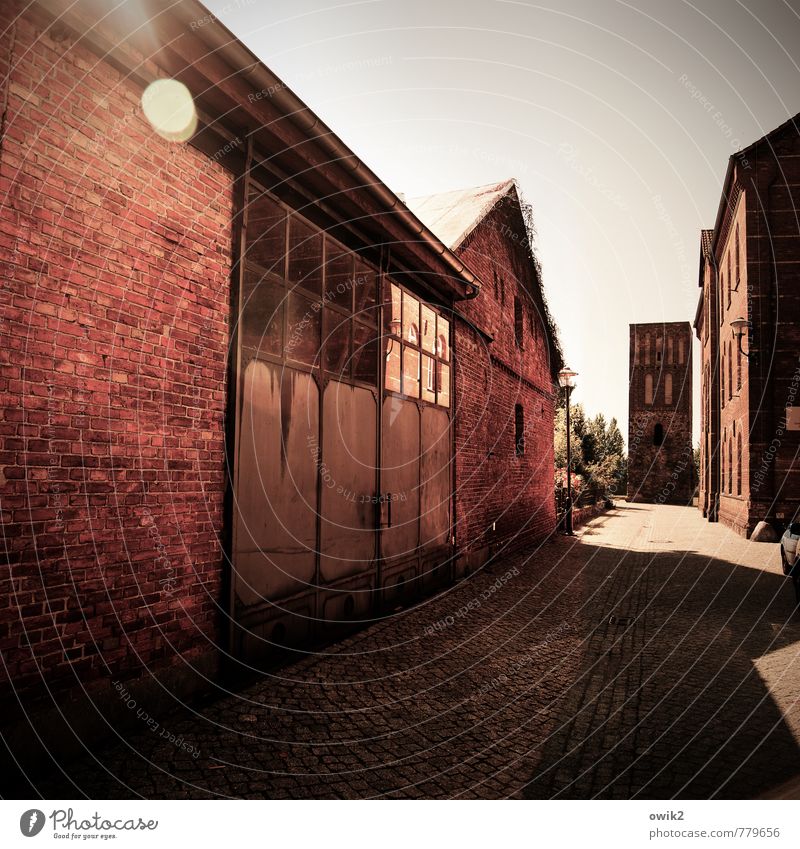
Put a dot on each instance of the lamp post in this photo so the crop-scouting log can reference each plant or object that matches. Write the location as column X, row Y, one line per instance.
column 739, row 326
column 566, row 379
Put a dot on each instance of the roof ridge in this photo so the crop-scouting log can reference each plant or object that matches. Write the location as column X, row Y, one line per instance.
column 454, row 214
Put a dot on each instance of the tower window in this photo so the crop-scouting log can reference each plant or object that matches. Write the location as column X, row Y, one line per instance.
column 668, row 389
column 648, row 389
column 658, row 434
column 519, row 323
column 519, row 429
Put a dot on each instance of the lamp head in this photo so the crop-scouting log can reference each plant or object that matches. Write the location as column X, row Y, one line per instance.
column 566, row 378
column 739, row 326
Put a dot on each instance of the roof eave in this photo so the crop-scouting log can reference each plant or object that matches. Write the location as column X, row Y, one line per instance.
column 214, row 40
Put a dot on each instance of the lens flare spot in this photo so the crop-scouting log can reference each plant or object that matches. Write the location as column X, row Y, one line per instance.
column 169, row 108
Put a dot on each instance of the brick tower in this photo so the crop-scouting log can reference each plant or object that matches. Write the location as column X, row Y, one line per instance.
column 660, row 463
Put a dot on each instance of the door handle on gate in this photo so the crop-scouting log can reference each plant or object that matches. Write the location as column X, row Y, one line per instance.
column 385, row 508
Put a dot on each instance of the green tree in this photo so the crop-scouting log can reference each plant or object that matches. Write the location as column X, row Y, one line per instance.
column 598, row 451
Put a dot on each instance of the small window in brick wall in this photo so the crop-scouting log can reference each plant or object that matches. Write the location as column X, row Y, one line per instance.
column 519, row 324
column 519, row 429
column 658, row 434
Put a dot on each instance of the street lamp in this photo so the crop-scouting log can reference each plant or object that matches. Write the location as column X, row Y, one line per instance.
column 739, row 326
column 566, row 380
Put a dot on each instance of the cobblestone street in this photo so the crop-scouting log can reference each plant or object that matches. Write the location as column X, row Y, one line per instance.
column 653, row 656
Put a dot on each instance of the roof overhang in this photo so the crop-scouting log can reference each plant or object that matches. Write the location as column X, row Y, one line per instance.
column 697, row 314
column 239, row 99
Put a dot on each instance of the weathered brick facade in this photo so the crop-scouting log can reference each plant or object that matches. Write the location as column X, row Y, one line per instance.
column 506, row 364
column 754, row 273
column 115, row 252
column 660, row 464
column 123, row 329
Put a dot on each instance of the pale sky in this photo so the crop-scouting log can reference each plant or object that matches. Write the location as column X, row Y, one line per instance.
column 616, row 118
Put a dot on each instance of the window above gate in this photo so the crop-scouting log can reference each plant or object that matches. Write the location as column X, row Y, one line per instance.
column 417, row 344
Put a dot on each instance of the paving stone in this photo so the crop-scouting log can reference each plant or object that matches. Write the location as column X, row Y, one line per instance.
column 541, row 692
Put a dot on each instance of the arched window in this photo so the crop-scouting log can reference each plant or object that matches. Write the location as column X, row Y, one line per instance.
column 737, row 256
column 648, row 389
column 729, row 278
column 658, row 434
column 659, row 349
column 739, row 464
column 668, row 389
column 738, row 368
column 730, row 465
column 646, row 359
column 730, row 371
column 519, row 429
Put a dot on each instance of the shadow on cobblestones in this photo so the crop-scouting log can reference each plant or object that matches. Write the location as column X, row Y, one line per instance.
column 670, row 700
column 610, row 665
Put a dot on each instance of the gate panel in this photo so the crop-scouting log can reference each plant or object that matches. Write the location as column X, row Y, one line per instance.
column 400, row 477
column 435, row 484
column 349, row 459
column 275, row 516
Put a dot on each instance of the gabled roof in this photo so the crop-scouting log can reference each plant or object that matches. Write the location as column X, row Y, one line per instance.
column 792, row 123
column 452, row 216
column 741, row 156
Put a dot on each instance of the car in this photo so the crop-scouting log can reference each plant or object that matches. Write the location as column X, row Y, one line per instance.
column 790, row 556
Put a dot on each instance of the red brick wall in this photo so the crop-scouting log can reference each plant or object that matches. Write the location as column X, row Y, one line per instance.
column 115, row 253
column 493, row 483
column 771, row 180
column 734, row 398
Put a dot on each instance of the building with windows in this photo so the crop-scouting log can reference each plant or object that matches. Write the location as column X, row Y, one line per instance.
column 507, row 361
column 707, row 330
column 660, row 462
column 231, row 366
column 747, row 320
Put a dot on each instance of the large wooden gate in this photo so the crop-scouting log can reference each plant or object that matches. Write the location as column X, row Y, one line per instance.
column 342, row 478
